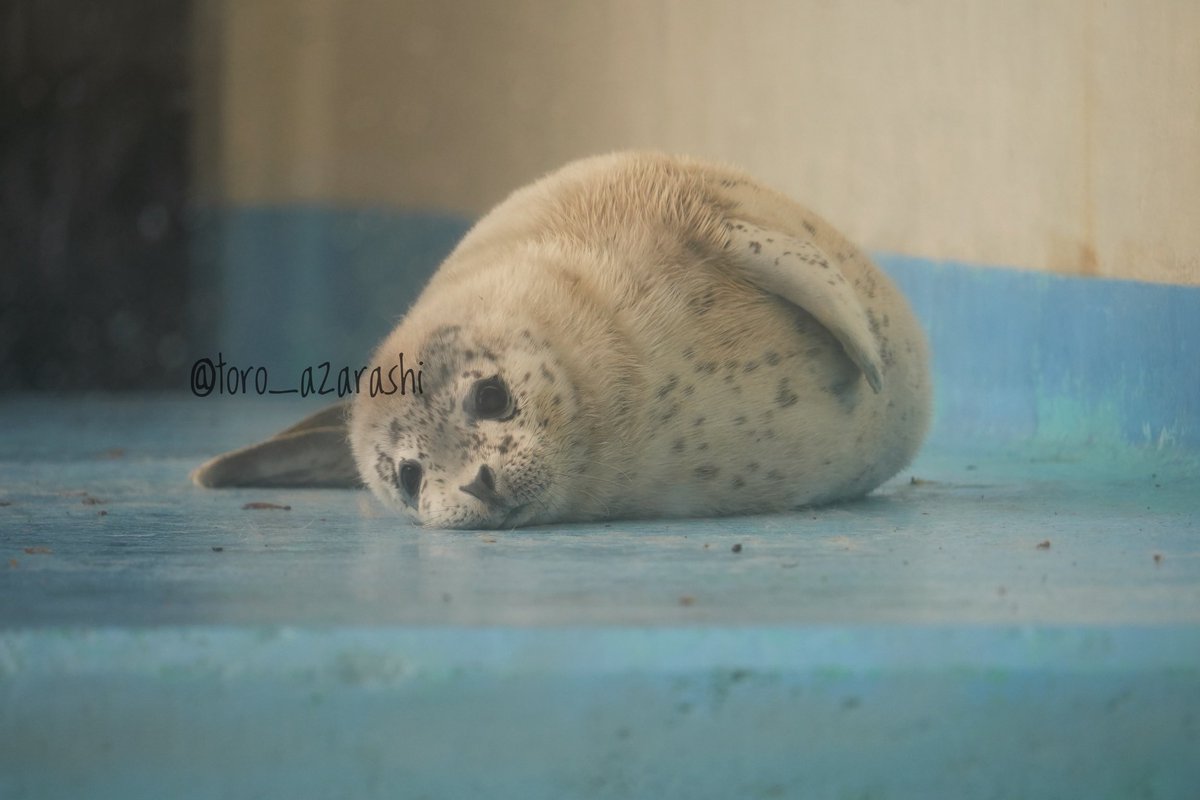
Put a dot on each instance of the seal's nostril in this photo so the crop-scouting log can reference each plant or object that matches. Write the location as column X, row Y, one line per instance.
column 486, row 477
column 484, row 487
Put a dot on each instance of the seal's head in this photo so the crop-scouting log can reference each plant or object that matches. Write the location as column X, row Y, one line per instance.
column 482, row 436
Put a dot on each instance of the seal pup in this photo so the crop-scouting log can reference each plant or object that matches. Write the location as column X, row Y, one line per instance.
column 633, row 335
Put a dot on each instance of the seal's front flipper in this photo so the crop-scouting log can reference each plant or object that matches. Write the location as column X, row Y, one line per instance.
column 314, row 453
column 802, row 274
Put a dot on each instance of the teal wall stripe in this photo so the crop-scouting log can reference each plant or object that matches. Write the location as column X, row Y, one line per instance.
column 1022, row 354
column 1017, row 355
column 288, row 288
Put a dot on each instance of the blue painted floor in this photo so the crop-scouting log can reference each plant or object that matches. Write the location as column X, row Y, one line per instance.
column 998, row 621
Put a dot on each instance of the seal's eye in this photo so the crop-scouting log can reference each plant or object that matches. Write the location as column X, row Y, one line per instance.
column 487, row 399
column 409, row 479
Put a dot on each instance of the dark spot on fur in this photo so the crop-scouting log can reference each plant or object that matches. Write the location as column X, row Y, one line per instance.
column 784, row 396
column 775, row 475
column 741, row 420
column 668, row 387
column 750, row 366
column 688, row 390
column 702, row 304
column 873, row 322
column 847, row 392
column 546, row 373
column 772, row 358
column 812, row 229
column 738, row 483
column 756, row 247
column 385, row 468
column 678, row 446
column 752, row 466
column 699, row 421
column 703, row 446
column 706, row 472
column 696, row 247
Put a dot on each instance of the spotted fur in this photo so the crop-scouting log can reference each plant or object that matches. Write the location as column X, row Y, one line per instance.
column 625, row 302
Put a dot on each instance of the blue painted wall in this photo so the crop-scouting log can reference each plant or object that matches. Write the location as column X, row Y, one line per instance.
column 1021, row 355
column 1017, row 355
column 291, row 287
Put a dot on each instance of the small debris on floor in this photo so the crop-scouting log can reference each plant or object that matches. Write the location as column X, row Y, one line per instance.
column 1044, row 545
column 218, row 549
column 737, row 548
column 687, row 600
column 38, row 551
column 915, row 481
column 92, row 501
column 262, row 506
column 1158, row 558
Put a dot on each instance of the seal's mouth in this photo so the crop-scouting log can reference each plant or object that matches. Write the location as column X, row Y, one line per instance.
column 511, row 517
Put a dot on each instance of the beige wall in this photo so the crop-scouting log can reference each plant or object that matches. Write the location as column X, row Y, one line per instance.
column 1051, row 134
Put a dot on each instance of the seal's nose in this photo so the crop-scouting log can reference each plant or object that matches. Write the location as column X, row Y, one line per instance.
column 484, row 487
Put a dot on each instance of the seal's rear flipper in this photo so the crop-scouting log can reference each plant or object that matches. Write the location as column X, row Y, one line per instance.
column 314, row 453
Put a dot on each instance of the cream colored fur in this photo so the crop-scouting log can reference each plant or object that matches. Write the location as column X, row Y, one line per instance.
column 689, row 374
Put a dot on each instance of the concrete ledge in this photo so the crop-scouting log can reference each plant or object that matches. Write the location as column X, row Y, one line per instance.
column 604, row 712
